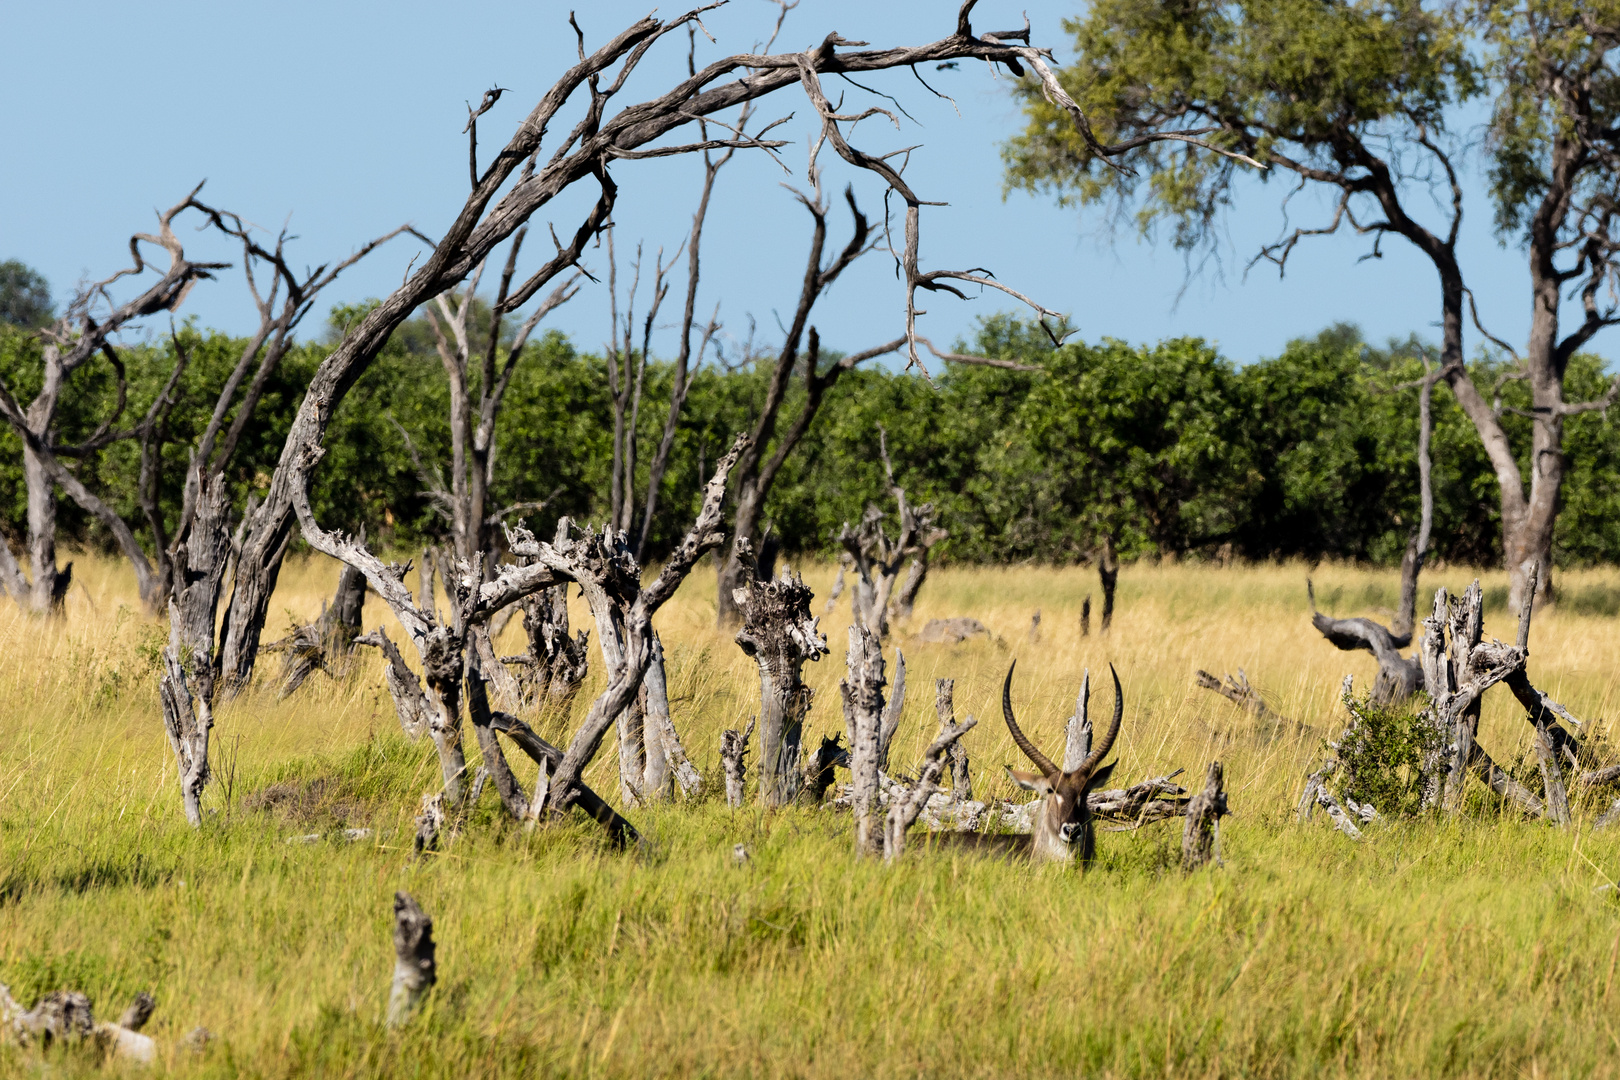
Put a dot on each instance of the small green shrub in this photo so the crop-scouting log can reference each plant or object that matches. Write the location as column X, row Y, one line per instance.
column 1381, row 757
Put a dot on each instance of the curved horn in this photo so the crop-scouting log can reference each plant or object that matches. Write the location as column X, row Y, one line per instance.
column 1042, row 762
column 1094, row 758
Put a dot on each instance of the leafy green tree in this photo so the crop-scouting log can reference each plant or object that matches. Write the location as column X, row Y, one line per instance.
column 1144, row 449
column 1357, row 98
column 25, row 295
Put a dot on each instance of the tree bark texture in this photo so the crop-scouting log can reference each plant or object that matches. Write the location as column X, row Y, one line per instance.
column 325, row 644
column 862, row 691
column 780, row 635
column 186, row 687
column 1201, row 837
column 733, row 759
column 956, row 754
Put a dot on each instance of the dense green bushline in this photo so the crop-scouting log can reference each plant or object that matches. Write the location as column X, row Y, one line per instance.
column 1167, row 449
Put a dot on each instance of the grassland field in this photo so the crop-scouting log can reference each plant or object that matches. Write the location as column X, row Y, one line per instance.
column 1485, row 946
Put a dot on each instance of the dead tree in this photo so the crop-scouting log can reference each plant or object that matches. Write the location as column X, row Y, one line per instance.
column 609, row 577
column 685, row 355
column 460, row 343
column 186, row 687
column 733, row 759
column 550, row 672
column 757, row 473
column 961, row 770
column 818, row 774
column 903, row 810
column 1459, row 667
column 85, row 333
column 415, row 959
column 862, row 692
column 1399, row 677
column 627, row 371
column 877, row 559
column 92, row 320
column 780, row 635
column 601, row 564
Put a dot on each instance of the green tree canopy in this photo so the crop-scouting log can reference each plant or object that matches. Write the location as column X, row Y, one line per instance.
column 25, row 295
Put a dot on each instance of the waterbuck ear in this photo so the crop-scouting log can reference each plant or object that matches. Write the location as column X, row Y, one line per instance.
column 1100, row 777
column 1029, row 781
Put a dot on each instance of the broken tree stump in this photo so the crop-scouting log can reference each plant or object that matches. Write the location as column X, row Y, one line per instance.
column 818, row 774
column 957, row 756
column 862, row 692
column 733, row 759
column 780, row 635
column 415, row 966
column 1201, row 838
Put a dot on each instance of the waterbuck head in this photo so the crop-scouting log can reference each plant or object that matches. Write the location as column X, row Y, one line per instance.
column 1063, row 823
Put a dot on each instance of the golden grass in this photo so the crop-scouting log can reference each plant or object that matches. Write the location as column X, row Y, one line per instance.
column 1485, row 947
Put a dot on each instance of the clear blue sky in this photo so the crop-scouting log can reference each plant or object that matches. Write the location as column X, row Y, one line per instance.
column 345, row 119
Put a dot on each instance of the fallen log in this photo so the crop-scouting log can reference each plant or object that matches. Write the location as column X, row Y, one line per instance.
column 549, row 757
column 65, row 1016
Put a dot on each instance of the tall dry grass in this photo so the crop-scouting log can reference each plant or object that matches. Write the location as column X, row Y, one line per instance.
column 1482, row 947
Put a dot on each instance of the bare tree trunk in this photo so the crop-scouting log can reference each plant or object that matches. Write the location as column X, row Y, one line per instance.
column 780, row 635
column 186, row 688
column 862, row 691
column 411, row 705
column 258, row 566
column 325, row 644
column 877, row 560
column 904, row 809
column 1467, row 626
column 49, row 585
column 551, row 672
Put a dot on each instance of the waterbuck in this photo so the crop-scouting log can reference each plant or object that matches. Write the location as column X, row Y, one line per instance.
column 1063, row 823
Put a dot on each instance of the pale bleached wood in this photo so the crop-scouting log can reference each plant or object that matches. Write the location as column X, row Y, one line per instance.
column 862, row 693
column 903, row 810
column 733, row 759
